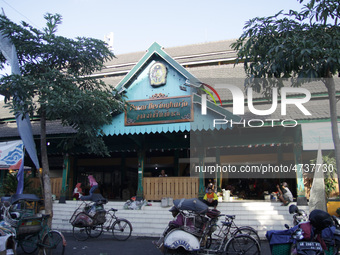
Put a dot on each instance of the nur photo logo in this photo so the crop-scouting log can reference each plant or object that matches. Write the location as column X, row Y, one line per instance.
column 240, row 99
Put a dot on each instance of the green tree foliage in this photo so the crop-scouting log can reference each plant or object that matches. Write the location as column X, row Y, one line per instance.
column 294, row 45
column 11, row 182
column 329, row 169
column 56, row 84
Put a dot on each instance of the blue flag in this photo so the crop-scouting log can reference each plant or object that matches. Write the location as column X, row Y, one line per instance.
column 23, row 122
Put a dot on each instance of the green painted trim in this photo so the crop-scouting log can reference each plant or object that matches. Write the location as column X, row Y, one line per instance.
column 66, row 173
column 14, row 120
column 141, row 159
column 299, row 173
column 314, row 120
column 278, row 123
column 201, row 187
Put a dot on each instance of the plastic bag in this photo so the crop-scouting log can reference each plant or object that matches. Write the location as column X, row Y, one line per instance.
column 135, row 205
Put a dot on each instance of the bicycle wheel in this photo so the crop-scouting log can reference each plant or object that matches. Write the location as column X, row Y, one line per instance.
column 53, row 243
column 121, row 229
column 80, row 233
column 29, row 244
column 247, row 231
column 242, row 244
column 95, row 231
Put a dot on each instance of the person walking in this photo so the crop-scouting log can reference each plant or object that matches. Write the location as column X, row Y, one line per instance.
column 93, row 184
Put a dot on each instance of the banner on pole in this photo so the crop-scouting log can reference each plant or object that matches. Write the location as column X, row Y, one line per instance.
column 23, row 122
column 11, row 154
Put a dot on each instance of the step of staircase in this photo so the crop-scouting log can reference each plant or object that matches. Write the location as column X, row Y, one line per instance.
column 151, row 220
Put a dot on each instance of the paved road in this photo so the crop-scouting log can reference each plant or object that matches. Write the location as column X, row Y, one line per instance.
column 107, row 245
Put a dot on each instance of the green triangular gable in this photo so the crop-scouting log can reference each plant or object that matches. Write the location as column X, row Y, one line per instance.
column 155, row 48
column 137, row 77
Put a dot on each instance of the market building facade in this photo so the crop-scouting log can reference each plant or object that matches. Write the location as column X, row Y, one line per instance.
column 182, row 118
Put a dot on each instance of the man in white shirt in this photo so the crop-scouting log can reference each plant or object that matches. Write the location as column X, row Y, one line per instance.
column 285, row 195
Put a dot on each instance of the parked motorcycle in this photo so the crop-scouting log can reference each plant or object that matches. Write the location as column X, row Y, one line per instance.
column 336, row 221
column 314, row 236
column 299, row 215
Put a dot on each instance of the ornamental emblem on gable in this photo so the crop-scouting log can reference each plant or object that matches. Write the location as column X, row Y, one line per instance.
column 157, row 74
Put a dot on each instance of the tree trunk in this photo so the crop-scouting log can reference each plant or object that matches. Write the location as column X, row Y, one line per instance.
column 330, row 84
column 46, row 169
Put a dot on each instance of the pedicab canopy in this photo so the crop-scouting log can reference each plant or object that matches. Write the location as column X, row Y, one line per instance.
column 18, row 197
column 97, row 198
column 192, row 204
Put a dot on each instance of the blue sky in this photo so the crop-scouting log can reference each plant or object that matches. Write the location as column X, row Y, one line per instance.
column 137, row 24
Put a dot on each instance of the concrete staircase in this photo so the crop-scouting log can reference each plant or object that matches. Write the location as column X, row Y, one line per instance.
column 152, row 220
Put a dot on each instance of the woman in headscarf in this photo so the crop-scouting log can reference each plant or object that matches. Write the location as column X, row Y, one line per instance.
column 77, row 192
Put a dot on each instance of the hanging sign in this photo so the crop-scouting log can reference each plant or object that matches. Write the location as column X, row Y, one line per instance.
column 159, row 109
column 11, row 154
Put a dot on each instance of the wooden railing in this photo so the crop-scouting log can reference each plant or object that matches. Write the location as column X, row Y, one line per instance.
column 155, row 188
column 56, row 184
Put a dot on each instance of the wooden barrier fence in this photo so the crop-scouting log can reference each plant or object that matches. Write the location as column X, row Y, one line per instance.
column 176, row 187
column 56, row 184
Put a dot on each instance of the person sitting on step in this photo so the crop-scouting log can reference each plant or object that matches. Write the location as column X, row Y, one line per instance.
column 284, row 195
column 210, row 198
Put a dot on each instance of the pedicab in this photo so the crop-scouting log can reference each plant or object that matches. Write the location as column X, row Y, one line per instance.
column 89, row 214
column 90, row 219
column 201, row 233
column 20, row 211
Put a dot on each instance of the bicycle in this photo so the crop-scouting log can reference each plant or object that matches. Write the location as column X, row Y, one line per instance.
column 229, row 229
column 121, row 228
column 51, row 241
column 32, row 231
column 90, row 220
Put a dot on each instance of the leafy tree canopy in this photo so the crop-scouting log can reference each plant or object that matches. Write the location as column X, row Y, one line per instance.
column 303, row 44
column 55, row 80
